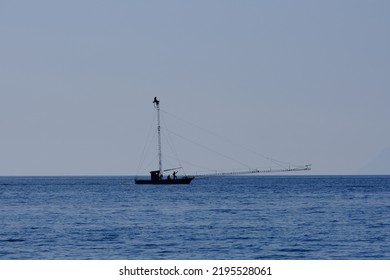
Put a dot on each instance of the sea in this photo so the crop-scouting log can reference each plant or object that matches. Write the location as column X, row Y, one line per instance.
column 214, row 218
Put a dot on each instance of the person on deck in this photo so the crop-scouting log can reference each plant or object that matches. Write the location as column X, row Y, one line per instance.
column 174, row 175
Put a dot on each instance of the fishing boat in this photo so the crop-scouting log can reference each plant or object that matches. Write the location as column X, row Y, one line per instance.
column 157, row 177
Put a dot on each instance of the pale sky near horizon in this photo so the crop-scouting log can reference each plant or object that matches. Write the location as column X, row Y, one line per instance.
column 297, row 81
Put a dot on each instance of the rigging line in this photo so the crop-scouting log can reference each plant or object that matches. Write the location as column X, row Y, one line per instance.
column 279, row 162
column 170, row 163
column 147, row 145
column 207, row 148
column 151, row 162
column 170, row 142
column 146, row 154
column 194, row 164
column 146, row 166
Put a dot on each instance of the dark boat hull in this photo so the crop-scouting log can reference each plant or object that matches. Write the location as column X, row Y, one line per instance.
column 178, row 181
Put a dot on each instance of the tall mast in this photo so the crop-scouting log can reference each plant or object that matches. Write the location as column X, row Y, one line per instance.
column 157, row 106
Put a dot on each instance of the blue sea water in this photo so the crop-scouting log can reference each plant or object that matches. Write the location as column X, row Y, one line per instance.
column 262, row 217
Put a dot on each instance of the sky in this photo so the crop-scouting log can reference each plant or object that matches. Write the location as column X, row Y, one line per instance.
column 297, row 81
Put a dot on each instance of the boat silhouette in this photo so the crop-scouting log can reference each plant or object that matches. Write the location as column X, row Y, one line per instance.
column 157, row 177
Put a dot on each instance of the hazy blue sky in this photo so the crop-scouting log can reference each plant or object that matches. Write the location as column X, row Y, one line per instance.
column 298, row 81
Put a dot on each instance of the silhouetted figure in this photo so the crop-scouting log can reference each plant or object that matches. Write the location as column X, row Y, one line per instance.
column 156, row 101
column 174, row 174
